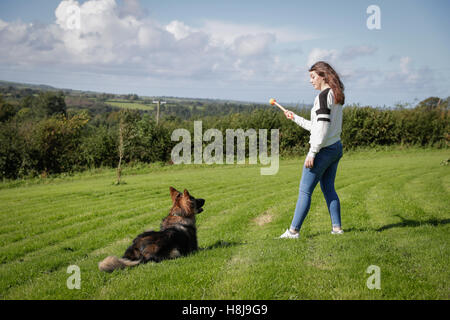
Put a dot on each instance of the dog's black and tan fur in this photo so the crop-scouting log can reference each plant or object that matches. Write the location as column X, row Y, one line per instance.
column 177, row 237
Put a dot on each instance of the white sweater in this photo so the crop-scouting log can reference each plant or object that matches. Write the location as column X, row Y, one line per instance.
column 325, row 124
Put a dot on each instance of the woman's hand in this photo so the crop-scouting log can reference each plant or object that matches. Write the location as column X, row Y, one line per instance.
column 309, row 162
column 289, row 114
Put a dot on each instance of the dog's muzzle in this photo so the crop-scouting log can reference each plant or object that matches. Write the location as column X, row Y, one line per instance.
column 200, row 203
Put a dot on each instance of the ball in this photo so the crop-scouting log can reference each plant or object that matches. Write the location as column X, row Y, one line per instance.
column 272, row 101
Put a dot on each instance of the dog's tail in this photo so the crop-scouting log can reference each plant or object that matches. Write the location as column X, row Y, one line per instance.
column 112, row 263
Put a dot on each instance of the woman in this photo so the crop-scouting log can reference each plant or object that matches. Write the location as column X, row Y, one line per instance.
column 325, row 147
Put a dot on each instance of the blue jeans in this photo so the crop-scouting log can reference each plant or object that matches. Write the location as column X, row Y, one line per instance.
column 324, row 170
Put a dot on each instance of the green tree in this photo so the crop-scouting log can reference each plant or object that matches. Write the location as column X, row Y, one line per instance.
column 51, row 103
column 7, row 111
column 429, row 103
column 56, row 143
column 10, row 150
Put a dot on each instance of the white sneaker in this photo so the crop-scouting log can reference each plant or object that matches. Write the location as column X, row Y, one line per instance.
column 337, row 232
column 289, row 235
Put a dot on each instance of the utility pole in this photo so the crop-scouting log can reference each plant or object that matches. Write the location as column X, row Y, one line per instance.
column 158, row 102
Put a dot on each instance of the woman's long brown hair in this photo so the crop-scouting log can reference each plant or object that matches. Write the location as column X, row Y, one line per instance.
column 331, row 78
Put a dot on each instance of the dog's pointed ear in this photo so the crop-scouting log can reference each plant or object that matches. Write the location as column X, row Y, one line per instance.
column 186, row 193
column 173, row 193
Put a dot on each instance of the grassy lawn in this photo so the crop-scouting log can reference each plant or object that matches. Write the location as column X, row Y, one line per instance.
column 394, row 212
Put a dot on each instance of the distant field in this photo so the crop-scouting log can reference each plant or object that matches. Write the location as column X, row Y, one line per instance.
column 395, row 212
column 130, row 105
column 141, row 106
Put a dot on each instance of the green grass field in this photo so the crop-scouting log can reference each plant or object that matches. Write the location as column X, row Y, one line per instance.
column 125, row 104
column 131, row 105
column 395, row 213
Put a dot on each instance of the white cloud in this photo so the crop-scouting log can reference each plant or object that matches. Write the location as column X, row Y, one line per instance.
column 405, row 65
column 179, row 29
column 252, row 45
column 316, row 54
column 132, row 8
column 3, row 24
column 106, row 36
column 116, row 37
column 227, row 32
column 408, row 74
column 351, row 53
column 343, row 57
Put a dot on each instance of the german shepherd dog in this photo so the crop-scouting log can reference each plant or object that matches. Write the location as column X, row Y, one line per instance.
column 177, row 237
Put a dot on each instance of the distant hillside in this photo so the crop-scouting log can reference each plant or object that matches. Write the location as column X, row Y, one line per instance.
column 100, row 102
column 130, row 96
column 26, row 85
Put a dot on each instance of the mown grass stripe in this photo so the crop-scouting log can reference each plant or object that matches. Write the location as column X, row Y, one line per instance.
column 98, row 212
column 58, row 216
column 242, row 267
column 413, row 257
column 6, row 272
column 427, row 191
column 112, row 217
column 64, row 201
column 240, row 222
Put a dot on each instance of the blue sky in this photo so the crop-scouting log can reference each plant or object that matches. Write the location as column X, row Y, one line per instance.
column 239, row 50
